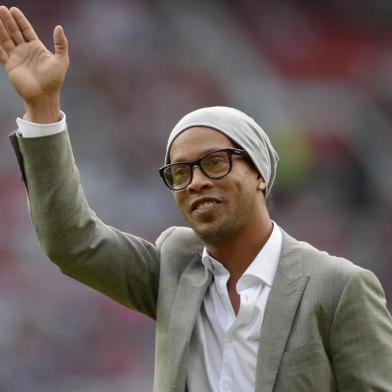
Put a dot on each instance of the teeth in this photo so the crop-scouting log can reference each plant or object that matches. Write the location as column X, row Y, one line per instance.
column 205, row 205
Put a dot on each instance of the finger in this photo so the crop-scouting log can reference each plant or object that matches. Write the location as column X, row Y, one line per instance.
column 23, row 24
column 5, row 40
column 60, row 42
column 3, row 56
column 11, row 26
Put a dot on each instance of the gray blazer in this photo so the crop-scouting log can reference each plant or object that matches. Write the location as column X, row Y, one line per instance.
column 326, row 326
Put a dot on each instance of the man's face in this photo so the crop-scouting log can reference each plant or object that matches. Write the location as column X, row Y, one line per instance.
column 215, row 209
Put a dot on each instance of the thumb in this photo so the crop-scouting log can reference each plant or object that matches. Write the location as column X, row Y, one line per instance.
column 60, row 43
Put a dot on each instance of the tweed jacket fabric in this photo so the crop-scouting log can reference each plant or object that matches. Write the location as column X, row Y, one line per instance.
column 326, row 325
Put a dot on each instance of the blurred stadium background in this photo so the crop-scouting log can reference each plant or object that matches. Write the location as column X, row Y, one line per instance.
column 316, row 75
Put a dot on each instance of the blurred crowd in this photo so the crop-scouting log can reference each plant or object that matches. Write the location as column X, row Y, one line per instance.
column 317, row 76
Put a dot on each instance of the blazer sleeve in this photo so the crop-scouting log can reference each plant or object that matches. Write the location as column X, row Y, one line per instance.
column 120, row 265
column 361, row 336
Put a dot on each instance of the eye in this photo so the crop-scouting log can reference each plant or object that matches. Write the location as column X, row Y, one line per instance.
column 215, row 160
column 180, row 170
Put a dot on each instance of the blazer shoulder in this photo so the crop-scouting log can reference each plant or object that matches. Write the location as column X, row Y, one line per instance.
column 177, row 247
column 319, row 263
column 180, row 242
column 329, row 278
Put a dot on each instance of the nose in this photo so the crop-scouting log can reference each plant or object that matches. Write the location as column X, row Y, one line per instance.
column 199, row 180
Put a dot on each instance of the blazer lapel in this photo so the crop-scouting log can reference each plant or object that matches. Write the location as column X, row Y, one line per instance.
column 282, row 304
column 192, row 286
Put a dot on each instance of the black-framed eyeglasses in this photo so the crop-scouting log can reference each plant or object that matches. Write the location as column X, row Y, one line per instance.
column 215, row 164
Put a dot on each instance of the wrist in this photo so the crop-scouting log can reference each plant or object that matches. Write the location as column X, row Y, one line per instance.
column 44, row 109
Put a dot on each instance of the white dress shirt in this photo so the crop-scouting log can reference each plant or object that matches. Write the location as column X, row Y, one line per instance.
column 223, row 347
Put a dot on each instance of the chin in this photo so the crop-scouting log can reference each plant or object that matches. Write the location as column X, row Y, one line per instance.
column 213, row 234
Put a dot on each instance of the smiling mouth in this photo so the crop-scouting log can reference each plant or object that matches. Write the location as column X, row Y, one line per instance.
column 205, row 205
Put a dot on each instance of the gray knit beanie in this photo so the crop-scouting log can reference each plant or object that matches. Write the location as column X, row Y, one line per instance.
column 241, row 129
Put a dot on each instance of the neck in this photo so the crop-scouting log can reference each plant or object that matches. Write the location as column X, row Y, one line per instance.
column 237, row 252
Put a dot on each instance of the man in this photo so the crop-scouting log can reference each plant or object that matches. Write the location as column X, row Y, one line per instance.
column 239, row 304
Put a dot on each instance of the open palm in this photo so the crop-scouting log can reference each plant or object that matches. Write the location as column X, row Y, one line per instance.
column 32, row 69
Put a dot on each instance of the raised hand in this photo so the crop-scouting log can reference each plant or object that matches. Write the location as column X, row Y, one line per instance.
column 35, row 72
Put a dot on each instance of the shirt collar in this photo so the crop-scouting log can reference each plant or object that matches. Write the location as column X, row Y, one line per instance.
column 263, row 267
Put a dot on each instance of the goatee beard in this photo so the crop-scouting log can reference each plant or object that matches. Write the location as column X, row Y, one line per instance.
column 216, row 236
